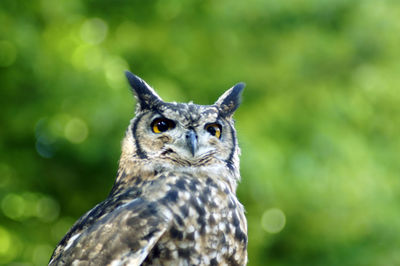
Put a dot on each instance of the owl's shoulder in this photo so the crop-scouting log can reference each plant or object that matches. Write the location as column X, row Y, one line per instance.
column 96, row 214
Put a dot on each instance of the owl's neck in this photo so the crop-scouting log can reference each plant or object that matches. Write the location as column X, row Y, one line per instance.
column 132, row 168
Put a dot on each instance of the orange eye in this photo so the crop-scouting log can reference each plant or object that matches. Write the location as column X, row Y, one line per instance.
column 160, row 125
column 214, row 129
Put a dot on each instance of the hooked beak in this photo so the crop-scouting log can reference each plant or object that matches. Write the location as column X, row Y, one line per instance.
column 191, row 141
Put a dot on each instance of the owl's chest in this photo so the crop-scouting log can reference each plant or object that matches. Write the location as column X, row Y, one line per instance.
column 208, row 225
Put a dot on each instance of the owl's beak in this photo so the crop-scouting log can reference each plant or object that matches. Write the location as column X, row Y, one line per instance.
column 191, row 141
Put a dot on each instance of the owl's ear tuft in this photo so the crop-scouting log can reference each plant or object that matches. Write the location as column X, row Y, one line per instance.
column 230, row 100
column 147, row 98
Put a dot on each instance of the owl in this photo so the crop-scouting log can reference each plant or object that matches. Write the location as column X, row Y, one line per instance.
column 174, row 199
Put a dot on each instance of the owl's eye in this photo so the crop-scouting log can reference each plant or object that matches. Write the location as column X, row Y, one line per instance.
column 214, row 129
column 160, row 125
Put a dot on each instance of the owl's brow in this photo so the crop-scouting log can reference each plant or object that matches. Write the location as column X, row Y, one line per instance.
column 182, row 110
column 160, row 113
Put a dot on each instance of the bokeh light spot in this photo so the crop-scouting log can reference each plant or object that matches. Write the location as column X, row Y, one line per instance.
column 8, row 53
column 13, row 206
column 94, row 31
column 47, row 209
column 43, row 148
column 273, row 220
column 5, row 241
column 31, row 201
column 44, row 139
column 76, row 130
column 9, row 246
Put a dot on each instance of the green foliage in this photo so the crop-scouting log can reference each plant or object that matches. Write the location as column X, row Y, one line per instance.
column 319, row 124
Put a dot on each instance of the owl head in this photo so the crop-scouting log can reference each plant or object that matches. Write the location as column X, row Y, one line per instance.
column 182, row 134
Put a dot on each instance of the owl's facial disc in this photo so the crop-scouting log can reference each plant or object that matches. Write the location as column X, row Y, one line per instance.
column 181, row 135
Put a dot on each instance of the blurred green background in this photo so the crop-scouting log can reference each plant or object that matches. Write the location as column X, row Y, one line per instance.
column 319, row 124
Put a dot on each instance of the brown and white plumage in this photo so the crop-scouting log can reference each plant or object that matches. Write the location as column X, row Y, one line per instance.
column 174, row 200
